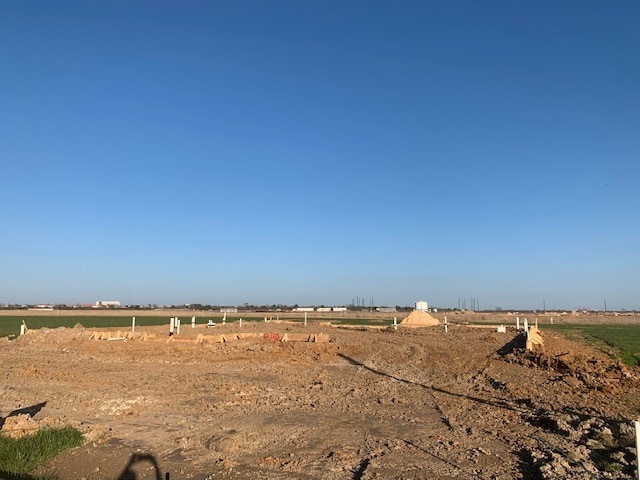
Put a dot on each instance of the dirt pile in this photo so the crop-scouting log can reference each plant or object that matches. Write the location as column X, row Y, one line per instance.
column 55, row 335
column 590, row 446
column 18, row 425
column 579, row 371
column 419, row 318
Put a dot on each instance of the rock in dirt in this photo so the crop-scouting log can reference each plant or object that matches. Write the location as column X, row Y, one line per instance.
column 17, row 426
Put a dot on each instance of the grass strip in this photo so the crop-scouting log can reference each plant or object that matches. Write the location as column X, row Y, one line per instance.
column 19, row 456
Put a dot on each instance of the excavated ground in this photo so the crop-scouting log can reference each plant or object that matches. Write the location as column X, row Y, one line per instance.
column 405, row 404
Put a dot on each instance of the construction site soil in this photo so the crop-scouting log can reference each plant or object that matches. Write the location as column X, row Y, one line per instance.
column 387, row 404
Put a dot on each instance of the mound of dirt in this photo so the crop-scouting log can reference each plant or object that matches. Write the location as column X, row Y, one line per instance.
column 419, row 318
column 18, row 426
column 603, row 374
column 55, row 335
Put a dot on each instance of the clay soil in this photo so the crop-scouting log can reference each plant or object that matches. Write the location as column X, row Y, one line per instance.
column 405, row 404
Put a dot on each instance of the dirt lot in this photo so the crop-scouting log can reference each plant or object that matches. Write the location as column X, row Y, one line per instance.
column 415, row 403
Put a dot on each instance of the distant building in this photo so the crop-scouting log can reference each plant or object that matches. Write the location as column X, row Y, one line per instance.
column 324, row 309
column 41, row 307
column 108, row 303
column 229, row 310
column 422, row 306
column 339, row 309
column 304, row 309
column 386, row 309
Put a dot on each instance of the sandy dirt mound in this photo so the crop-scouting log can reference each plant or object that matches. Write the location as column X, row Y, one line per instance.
column 418, row 318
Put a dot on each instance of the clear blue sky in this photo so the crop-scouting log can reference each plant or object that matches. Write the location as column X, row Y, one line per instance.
column 313, row 152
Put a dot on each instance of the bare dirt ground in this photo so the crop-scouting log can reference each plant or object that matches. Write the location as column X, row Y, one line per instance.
column 406, row 404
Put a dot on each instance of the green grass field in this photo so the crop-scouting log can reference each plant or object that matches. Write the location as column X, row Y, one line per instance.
column 361, row 321
column 623, row 340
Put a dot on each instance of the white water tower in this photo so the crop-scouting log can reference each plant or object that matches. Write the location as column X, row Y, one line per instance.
column 422, row 306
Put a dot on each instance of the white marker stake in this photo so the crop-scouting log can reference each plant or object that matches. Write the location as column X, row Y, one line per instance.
column 133, row 324
column 240, row 323
column 305, row 319
column 637, row 425
column 177, row 326
column 518, row 324
column 172, row 324
column 446, row 325
column 265, row 319
column 23, row 329
column 395, row 323
column 526, row 326
column 193, row 322
column 224, row 319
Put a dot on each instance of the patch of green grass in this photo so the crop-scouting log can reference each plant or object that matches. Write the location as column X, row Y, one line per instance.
column 19, row 456
column 361, row 321
column 623, row 340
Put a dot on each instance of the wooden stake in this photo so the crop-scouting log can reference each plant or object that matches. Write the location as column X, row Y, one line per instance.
column 133, row 324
